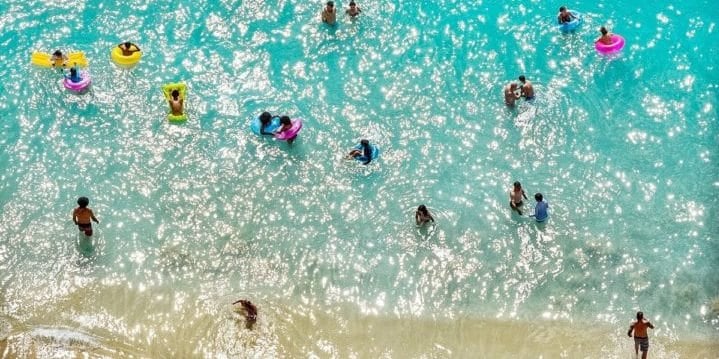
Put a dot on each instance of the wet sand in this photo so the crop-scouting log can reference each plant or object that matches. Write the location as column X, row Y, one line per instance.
column 114, row 321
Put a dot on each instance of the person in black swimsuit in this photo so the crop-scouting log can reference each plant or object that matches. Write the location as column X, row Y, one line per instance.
column 565, row 16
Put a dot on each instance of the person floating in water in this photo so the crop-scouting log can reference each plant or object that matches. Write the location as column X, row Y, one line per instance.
column 527, row 89
column 286, row 125
column 511, row 94
column 249, row 311
column 422, row 215
column 353, row 10
column 364, row 153
column 641, row 338
column 74, row 74
column 128, row 48
column 265, row 120
column 176, row 103
column 564, row 16
column 329, row 13
column 606, row 37
column 516, row 194
column 83, row 215
column 541, row 210
column 58, row 59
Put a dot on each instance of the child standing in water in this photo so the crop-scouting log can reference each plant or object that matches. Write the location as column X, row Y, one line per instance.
column 83, row 215
column 541, row 210
column 516, row 195
column 422, row 215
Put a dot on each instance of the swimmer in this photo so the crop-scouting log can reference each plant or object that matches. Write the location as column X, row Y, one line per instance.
column 176, row 103
column 422, row 215
column 74, row 74
column 265, row 120
column 329, row 13
column 58, row 59
column 128, row 48
column 641, row 338
column 249, row 311
column 510, row 94
column 565, row 16
column 83, row 215
column 364, row 153
column 606, row 37
column 527, row 88
column 541, row 212
column 286, row 125
column 516, row 194
column 353, row 10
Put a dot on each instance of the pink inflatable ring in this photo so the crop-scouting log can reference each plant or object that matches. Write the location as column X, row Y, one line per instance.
column 616, row 45
column 291, row 132
column 78, row 86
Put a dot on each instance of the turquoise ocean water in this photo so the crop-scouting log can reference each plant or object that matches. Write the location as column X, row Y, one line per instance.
column 196, row 215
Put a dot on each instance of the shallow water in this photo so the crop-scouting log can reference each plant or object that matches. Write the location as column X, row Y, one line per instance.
column 206, row 212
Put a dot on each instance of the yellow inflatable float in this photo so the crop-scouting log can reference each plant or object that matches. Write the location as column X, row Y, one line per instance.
column 43, row 59
column 126, row 60
column 167, row 91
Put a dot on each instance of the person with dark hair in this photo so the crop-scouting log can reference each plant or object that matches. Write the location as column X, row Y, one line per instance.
column 83, row 215
column 363, row 153
column 606, row 37
column 265, row 120
column 564, row 16
column 176, row 103
column 516, row 194
column 641, row 338
column 249, row 311
column 128, row 48
column 353, row 10
column 286, row 125
column 527, row 89
column 329, row 13
column 541, row 210
column 58, row 59
column 422, row 215
column 74, row 74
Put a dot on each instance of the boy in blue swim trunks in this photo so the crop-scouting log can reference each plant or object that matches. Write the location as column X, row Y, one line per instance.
column 541, row 210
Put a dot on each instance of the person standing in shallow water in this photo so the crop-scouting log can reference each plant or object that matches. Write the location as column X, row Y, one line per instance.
column 329, row 13
column 527, row 88
column 641, row 338
column 516, row 195
column 82, row 216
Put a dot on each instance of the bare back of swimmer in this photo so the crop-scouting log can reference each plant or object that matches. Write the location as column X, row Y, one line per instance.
column 176, row 103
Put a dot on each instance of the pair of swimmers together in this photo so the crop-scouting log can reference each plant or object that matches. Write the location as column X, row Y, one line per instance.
column 512, row 92
column 285, row 125
column 516, row 197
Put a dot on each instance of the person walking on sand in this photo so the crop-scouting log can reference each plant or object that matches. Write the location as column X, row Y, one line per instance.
column 641, row 338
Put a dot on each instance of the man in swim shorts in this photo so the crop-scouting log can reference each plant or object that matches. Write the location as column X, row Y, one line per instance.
column 329, row 13
column 510, row 94
column 527, row 88
column 82, row 216
column 516, row 195
column 641, row 338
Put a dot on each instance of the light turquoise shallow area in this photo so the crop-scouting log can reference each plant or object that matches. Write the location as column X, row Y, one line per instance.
column 624, row 149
